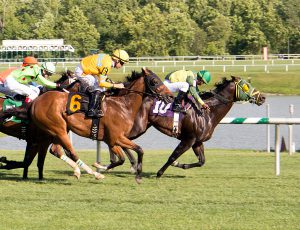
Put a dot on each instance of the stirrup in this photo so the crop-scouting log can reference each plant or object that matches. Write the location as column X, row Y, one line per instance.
column 8, row 119
column 100, row 113
column 178, row 109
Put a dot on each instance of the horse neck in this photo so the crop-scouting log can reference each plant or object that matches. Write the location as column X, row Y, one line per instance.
column 219, row 111
column 134, row 99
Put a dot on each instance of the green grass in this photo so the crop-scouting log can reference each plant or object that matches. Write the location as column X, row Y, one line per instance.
column 234, row 190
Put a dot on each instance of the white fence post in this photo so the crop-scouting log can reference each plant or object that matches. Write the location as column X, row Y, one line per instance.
column 277, row 151
column 291, row 109
column 268, row 130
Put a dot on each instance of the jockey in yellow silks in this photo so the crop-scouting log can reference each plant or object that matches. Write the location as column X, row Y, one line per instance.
column 92, row 73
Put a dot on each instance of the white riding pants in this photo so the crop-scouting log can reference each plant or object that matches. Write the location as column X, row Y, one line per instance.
column 176, row 86
column 27, row 90
column 87, row 79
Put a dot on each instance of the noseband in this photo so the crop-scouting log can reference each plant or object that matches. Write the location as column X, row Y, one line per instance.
column 243, row 92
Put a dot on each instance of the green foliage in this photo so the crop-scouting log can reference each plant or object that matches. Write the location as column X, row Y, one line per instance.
column 236, row 189
column 156, row 27
column 78, row 32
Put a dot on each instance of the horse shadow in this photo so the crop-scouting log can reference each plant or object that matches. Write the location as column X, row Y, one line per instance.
column 18, row 178
column 149, row 175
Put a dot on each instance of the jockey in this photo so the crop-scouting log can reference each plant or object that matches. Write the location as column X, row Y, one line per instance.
column 182, row 81
column 92, row 73
column 29, row 60
column 18, row 80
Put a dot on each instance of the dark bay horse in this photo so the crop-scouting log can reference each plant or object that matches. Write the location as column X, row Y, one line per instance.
column 196, row 126
column 48, row 112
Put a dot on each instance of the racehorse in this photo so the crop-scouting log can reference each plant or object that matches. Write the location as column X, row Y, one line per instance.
column 37, row 143
column 196, row 126
column 49, row 109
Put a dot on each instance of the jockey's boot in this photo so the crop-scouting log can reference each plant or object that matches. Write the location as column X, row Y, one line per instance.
column 94, row 103
column 177, row 105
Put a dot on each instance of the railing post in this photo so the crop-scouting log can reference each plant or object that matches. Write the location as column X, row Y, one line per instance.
column 277, row 151
column 268, row 130
column 98, row 154
column 291, row 108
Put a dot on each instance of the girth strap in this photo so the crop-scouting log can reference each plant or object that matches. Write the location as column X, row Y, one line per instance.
column 95, row 128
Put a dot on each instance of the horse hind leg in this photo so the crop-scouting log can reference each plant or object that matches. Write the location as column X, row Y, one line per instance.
column 183, row 146
column 198, row 149
column 55, row 150
column 65, row 142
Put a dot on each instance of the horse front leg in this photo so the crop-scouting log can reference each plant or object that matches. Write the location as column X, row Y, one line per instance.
column 183, row 146
column 41, row 158
column 124, row 142
column 198, row 149
column 30, row 153
column 55, row 150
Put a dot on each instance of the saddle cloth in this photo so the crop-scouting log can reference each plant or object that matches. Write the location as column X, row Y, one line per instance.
column 160, row 108
column 77, row 103
column 10, row 103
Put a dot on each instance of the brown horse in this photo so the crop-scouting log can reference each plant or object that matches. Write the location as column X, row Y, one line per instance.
column 49, row 110
column 37, row 143
column 195, row 127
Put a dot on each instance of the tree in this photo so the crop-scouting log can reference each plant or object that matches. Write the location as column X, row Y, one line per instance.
column 147, row 29
column 246, row 37
column 77, row 31
column 45, row 27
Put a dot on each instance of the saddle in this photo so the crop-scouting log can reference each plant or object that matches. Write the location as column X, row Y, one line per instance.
column 14, row 102
column 78, row 102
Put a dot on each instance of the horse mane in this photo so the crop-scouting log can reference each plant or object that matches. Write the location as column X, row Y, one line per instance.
column 218, row 87
column 134, row 75
column 64, row 76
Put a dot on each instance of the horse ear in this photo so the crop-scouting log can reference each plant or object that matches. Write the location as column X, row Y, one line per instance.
column 145, row 71
column 233, row 78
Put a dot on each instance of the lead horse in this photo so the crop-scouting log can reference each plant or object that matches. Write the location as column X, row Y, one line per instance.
column 196, row 126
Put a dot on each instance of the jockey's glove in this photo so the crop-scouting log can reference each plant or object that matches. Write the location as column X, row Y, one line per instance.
column 59, row 86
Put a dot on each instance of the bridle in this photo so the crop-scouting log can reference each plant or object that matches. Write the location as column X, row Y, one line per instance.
column 151, row 86
column 243, row 92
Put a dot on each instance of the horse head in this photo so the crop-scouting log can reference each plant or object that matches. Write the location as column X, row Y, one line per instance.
column 244, row 91
column 237, row 89
column 68, row 79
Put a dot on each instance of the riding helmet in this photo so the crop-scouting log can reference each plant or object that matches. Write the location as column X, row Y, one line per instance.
column 49, row 67
column 204, row 75
column 121, row 55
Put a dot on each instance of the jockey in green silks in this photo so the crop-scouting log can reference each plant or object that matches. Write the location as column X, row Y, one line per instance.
column 18, row 80
column 182, row 81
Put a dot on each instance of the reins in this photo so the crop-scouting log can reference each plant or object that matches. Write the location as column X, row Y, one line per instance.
column 152, row 94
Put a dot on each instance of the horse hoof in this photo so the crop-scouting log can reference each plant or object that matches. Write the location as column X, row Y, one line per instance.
column 99, row 166
column 3, row 159
column 175, row 164
column 77, row 173
column 132, row 170
column 99, row 176
column 138, row 180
